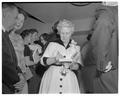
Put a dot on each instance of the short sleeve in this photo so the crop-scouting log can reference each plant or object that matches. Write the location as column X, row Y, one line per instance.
column 49, row 52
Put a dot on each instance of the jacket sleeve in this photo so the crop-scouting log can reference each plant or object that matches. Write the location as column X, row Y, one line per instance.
column 103, row 37
column 9, row 70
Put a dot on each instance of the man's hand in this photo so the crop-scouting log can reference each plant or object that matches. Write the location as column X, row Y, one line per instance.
column 19, row 85
column 108, row 67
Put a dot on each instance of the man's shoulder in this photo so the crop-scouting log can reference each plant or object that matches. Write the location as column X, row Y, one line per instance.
column 104, row 21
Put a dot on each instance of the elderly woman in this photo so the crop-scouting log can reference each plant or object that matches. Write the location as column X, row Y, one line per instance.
column 62, row 56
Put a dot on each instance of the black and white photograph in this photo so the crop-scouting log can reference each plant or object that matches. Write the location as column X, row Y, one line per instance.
column 59, row 47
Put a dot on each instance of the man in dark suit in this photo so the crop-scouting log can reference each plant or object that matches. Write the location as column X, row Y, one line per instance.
column 12, row 79
column 88, row 71
column 105, row 49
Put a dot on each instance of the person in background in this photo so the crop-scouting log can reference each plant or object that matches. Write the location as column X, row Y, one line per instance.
column 36, row 50
column 88, row 71
column 53, row 36
column 18, row 44
column 59, row 78
column 44, row 39
column 12, row 78
column 30, row 52
column 105, row 47
column 35, row 36
column 85, row 44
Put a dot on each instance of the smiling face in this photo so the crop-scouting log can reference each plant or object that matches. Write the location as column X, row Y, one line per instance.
column 20, row 21
column 10, row 17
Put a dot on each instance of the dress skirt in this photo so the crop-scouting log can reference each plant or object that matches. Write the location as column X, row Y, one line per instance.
column 54, row 82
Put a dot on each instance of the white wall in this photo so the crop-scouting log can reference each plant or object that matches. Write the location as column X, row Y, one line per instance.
column 83, row 24
column 41, row 27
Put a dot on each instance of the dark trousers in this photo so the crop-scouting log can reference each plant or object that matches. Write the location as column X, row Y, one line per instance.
column 6, row 89
column 107, row 82
column 80, row 81
column 34, row 82
column 88, row 75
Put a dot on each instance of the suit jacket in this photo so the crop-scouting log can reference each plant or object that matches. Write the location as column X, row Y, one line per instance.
column 87, row 55
column 9, row 65
column 113, row 49
column 104, row 42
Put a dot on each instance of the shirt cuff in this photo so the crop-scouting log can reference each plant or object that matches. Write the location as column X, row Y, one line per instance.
column 45, row 60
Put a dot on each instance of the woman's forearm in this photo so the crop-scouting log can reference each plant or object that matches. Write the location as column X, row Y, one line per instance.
column 51, row 60
column 74, row 67
column 28, row 61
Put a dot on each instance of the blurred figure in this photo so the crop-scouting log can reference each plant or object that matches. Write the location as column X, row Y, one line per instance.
column 53, row 36
column 88, row 71
column 35, row 48
column 18, row 44
column 40, row 69
column 84, row 48
column 31, row 53
column 35, row 36
column 44, row 38
column 105, row 48
column 12, row 78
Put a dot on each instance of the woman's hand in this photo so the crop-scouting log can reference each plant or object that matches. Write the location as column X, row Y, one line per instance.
column 74, row 66
column 19, row 85
column 55, row 60
column 67, row 65
column 58, row 56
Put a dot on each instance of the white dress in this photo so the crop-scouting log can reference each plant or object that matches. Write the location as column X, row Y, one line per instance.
column 53, row 81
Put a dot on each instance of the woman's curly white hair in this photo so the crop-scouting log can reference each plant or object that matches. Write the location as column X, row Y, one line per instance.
column 65, row 24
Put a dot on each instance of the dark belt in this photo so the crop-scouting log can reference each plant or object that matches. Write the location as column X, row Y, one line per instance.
column 55, row 65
